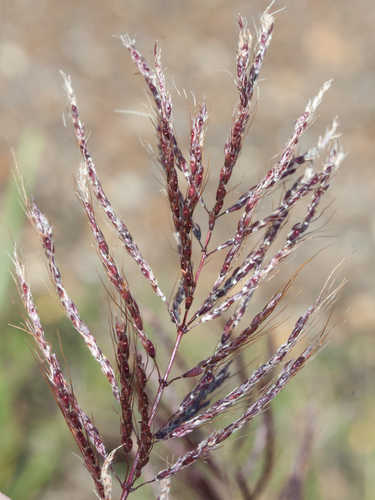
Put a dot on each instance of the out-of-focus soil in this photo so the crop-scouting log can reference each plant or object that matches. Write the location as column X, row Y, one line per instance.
column 314, row 40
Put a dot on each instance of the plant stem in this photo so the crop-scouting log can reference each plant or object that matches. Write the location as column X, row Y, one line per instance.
column 162, row 386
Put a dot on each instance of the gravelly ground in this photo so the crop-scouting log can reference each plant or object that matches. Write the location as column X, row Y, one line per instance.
column 313, row 41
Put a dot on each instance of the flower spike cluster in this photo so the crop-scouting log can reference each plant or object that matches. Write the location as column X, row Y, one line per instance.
column 155, row 415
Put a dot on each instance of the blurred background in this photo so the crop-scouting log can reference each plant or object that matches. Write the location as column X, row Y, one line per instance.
column 313, row 41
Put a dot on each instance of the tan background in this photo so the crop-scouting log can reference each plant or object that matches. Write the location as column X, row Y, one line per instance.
column 313, row 41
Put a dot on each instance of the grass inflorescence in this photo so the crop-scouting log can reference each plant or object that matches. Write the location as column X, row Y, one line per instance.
column 138, row 376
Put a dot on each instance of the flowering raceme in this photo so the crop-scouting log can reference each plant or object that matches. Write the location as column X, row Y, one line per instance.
column 138, row 376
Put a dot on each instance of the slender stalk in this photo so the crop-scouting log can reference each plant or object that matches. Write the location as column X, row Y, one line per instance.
column 162, row 386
